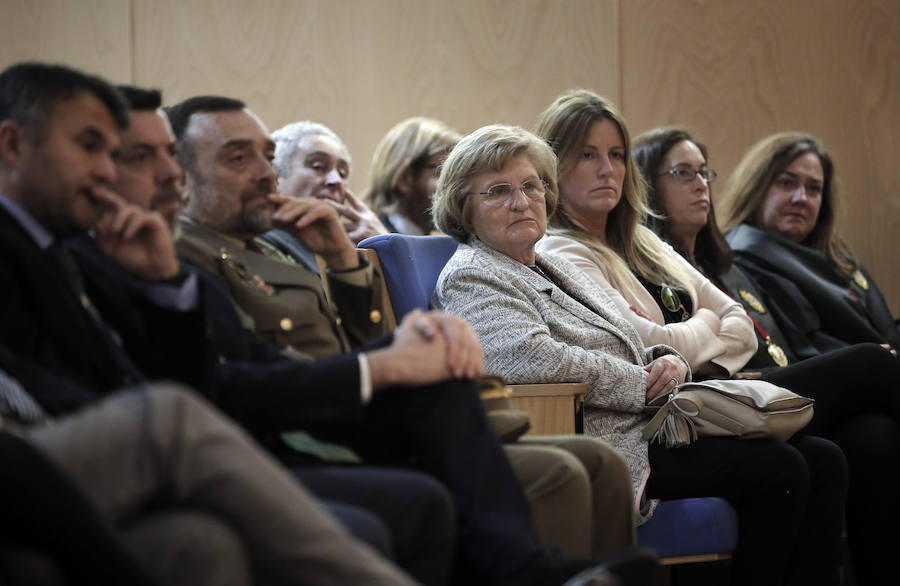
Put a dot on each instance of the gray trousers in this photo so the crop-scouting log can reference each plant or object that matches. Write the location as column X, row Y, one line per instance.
column 164, row 462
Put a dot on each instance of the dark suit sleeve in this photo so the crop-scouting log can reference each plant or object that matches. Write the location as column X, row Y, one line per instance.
column 288, row 394
column 266, row 390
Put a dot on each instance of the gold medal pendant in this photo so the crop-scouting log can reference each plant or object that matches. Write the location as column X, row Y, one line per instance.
column 860, row 280
column 776, row 352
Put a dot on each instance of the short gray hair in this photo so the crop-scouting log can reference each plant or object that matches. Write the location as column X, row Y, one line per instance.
column 487, row 149
column 288, row 137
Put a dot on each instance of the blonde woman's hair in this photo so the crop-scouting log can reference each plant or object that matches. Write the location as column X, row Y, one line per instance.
column 749, row 184
column 487, row 149
column 627, row 246
column 408, row 144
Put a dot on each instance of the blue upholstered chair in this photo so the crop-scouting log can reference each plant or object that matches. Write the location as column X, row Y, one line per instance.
column 411, row 266
column 681, row 531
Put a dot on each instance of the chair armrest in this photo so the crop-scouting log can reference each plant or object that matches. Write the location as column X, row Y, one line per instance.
column 551, row 406
column 549, row 390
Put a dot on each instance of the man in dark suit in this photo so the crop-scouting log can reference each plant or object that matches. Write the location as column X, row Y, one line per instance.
column 57, row 138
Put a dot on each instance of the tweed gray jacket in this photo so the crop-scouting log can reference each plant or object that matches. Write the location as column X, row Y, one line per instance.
column 536, row 331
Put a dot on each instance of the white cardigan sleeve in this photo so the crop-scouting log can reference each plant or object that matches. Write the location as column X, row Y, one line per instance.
column 719, row 330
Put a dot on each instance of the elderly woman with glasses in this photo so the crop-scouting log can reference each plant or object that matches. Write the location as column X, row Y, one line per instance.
column 780, row 213
column 855, row 388
column 540, row 319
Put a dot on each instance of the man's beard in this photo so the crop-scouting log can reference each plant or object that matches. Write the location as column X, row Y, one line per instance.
column 258, row 218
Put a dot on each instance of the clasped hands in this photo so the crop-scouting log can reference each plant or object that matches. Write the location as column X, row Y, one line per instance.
column 428, row 347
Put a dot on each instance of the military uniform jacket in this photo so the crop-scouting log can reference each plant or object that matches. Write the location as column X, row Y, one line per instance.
column 850, row 310
column 285, row 303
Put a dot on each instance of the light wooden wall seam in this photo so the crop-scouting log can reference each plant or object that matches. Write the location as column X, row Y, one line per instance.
column 732, row 71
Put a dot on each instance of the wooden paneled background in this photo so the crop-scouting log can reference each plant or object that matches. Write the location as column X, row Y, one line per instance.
column 732, row 71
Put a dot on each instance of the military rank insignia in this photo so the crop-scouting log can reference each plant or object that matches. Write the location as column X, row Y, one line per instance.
column 860, row 279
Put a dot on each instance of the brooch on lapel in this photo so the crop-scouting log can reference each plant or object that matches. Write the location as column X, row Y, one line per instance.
column 860, row 280
column 752, row 301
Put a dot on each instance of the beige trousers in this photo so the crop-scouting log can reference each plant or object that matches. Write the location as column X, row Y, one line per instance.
column 579, row 489
column 139, row 453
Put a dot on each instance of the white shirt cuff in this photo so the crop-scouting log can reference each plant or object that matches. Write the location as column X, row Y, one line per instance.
column 365, row 379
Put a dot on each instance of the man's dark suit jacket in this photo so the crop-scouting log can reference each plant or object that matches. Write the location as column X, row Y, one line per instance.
column 43, row 322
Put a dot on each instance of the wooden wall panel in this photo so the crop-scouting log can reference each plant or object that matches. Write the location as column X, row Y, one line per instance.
column 360, row 67
column 94, row 35
column 735, row 72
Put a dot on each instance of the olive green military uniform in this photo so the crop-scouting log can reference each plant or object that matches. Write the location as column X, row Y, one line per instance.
column 283, row 302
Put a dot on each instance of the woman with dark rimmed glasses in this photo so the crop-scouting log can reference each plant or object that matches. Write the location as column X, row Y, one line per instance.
column 855, row 387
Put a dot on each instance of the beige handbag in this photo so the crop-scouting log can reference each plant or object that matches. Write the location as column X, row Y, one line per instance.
column 740, row 408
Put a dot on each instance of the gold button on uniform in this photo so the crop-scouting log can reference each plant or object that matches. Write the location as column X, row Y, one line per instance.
column 338, row 321
column 375, row 316
column 286, row 324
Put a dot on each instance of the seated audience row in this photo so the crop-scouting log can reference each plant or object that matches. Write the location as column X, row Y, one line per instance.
column 540, row 319
column 114, row 307
column 100, row 189
column 669, row 301
column 706, row 307
column 294, row 315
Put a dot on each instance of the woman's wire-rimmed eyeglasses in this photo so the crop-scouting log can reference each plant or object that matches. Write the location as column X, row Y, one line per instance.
column 685, row 173
column 501, row 193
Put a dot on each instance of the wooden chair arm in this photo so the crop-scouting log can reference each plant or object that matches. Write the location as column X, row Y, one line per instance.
column 551, row 406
